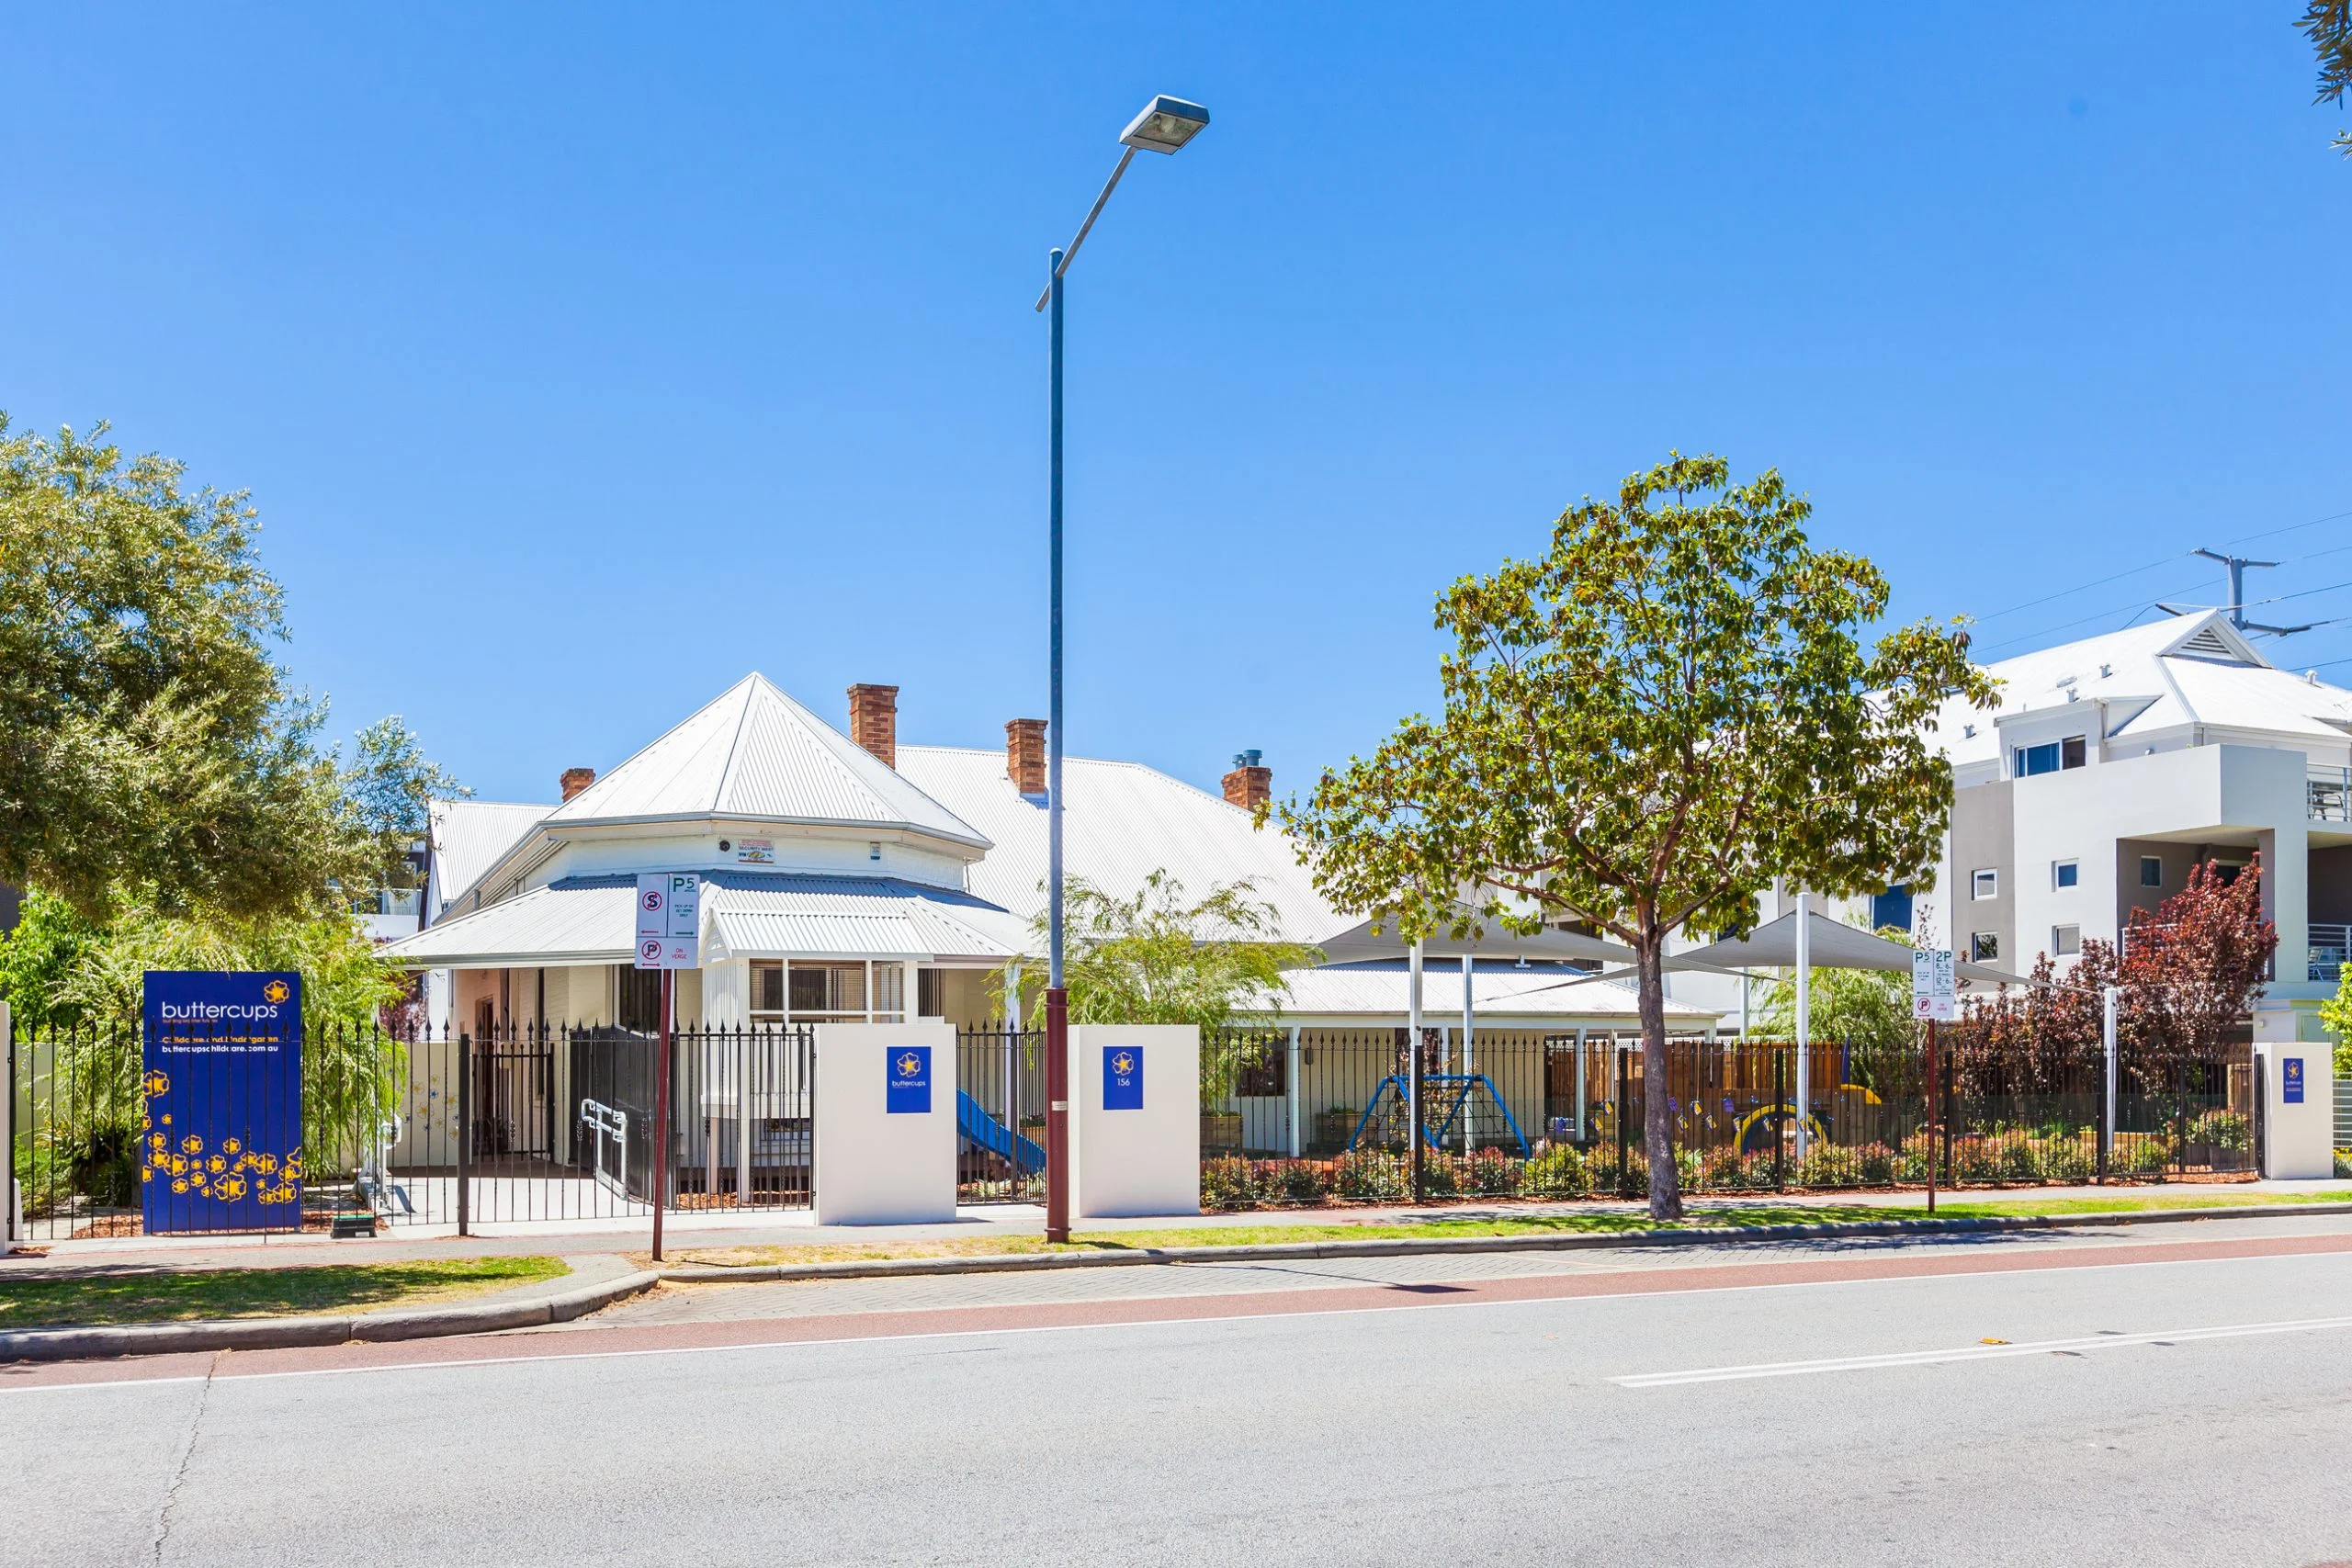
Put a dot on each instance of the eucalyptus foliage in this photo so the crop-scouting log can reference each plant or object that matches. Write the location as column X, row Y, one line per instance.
column 1646, row 727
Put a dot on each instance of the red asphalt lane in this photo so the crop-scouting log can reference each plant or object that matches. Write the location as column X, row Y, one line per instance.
column 685, row 1337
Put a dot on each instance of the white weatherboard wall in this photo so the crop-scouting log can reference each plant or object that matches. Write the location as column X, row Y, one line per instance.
column 875, row 1167
column 2299, row 1139
column 1130, row 1163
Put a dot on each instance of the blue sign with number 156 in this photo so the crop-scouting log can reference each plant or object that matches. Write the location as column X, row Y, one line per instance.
column 1122, row 1077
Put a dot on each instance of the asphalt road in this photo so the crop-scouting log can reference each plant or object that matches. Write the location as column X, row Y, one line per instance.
column 2188, row 1402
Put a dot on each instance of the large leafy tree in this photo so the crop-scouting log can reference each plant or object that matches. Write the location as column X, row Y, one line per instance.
column 1642, row 729
column 147, row 738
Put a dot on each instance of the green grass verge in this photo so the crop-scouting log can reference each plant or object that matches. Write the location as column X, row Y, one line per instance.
column 157, row 1295
column 1595, row 1221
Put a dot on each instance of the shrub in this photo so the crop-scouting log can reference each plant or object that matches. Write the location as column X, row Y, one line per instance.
column 2147, row 1155
column 1303, row 1182
column 2068, row 1162
column 2020, row 1160
column 1918, row 1157
column 1557, row 1171
column 1225, row 1184
column 1439, row 1176
column 1688, row 1174
column 1874, row 1165
column 1632, row 1181
column 1976, row 1160
column 2344, row 1162
column 1491, row 1173
column 1827, row 1165
column 2221, row 1129
column 1726, row 1168
column 1367, row 1176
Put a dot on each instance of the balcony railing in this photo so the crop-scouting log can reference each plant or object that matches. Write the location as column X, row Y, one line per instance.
column 2328, row 794
column 2331, row 949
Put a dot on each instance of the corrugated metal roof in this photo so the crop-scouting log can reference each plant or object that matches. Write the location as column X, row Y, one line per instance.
column 468, row 837
column 2196, row 670
column 754, row 754
column 591, row 919
column 1121, row 821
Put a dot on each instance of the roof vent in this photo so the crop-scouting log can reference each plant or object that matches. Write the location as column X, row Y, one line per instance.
column 2207, row 644
column 1968, row 732
column 2106, row 672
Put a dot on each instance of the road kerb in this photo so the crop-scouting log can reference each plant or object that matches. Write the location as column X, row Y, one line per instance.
column 1410, row 1246
column 280, row 1333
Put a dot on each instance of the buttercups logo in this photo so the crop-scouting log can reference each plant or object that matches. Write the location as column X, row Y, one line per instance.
column 909, row 1064
column 274, row 992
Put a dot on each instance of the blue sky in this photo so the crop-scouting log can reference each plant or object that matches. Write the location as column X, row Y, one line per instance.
column 581, row 359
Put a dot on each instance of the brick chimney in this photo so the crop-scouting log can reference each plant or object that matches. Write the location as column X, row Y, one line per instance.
column 1249, row 786
column 874, row 721
column 574, row 780
column 1025, row 755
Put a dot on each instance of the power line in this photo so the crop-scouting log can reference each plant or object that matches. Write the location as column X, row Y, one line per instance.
column 2151, row 565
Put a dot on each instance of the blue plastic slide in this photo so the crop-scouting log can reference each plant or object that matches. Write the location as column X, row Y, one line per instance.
column 983, row 1131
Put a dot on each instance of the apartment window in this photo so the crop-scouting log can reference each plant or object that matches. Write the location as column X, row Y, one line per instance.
column 1984, row 885
column 2152, row 871
column 1985, row 947
column 1892, row 908
column 2065, row 941
column 2065, row 872
column 2051, row 756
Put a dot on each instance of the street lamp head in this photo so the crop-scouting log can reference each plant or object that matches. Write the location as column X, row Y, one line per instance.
column 1165, row 124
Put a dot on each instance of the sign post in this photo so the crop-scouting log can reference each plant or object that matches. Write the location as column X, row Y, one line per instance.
column 669, row 937
column 1933, row 1001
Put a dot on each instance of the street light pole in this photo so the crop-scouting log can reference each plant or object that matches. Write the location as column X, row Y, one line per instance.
column 1165, row 124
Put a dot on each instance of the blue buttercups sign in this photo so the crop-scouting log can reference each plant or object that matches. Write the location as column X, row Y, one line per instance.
column 906, row 1081
column 1122, row 1077
column 221, row 1137
column 2292, row 1078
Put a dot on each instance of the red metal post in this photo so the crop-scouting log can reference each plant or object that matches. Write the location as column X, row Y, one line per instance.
column 662, row 1116
column 1931, row 1116
column 1056, row 1114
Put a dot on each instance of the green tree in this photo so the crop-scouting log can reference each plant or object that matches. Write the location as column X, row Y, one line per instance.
column 2328, row 24
column 389, row 787
column 38, row 958
column 2336, row 1014
column 1646, row 727
column 1159, row 957
column 146, row 736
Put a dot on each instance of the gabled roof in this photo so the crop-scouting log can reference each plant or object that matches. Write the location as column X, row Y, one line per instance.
column 2165, row 676
column 755, row 755
column 1120, row 822
column 468, row 837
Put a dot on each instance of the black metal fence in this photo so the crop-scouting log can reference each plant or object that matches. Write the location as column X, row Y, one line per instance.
column 523, row 1124
column 1001, row 1116
column 551, row 1124
column 1311, row 1116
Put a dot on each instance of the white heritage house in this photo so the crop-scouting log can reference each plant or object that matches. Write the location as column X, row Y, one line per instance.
column 851, row 879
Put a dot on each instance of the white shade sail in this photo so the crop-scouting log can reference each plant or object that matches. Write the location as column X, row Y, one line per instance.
column 1833, row 945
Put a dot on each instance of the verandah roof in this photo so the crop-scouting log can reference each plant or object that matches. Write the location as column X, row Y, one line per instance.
column 592, row 920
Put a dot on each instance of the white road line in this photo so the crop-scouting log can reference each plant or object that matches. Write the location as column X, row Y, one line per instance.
column 1972, row 1353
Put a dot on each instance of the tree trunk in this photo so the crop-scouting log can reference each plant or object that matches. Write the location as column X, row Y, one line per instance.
column 1657, row 1123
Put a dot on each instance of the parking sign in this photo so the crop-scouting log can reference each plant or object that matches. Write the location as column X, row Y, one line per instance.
column 1931, row 985
column 668, row 920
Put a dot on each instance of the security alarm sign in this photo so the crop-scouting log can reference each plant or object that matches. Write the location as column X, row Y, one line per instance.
column 668, row 920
